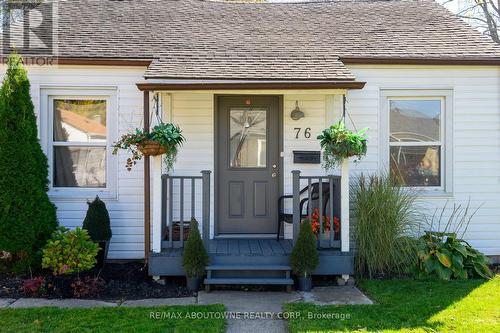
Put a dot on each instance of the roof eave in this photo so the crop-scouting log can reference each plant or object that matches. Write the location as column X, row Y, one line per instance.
column 249, row 85
column 492, row 61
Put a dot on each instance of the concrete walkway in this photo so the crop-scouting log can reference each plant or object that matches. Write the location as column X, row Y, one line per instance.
column 250, row 311
column 266, row 307
column 84, row 303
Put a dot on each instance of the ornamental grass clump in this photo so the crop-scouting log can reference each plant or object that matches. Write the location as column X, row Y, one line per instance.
column 27, row 217
column 339, row 143
column 163, row 139
column 386, row 222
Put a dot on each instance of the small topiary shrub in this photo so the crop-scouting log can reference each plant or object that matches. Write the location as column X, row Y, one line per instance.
column 97, row 221
column 69, row 251
column 27, row 217
column 305, row 256
column 195, row 257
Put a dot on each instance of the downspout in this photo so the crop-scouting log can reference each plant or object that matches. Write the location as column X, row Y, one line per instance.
column 147, row 186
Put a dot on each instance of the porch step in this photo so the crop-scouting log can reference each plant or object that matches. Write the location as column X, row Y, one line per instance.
column 253, row 273
column 248, row 268
column 273, row 281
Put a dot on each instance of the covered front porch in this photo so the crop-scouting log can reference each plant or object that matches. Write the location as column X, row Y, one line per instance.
column 206, row 184
column 248, row 259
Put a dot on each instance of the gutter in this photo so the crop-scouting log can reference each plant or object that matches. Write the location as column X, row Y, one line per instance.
column 492, row 61
column 245, row 85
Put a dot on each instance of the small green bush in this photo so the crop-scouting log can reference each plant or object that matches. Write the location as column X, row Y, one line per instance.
column 69, row 251
column 27, row 217
column 97, row 221
column 305, row 256
column 385, row 221
column 195, row 257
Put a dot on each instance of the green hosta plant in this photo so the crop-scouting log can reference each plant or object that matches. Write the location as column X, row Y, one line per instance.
column 166, row 135
column 444, row 255
column 339, row 143
column 69, row 251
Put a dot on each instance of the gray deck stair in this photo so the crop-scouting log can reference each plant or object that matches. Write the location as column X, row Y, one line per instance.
column 273, row 281
column 255, row 273
column 248, row 268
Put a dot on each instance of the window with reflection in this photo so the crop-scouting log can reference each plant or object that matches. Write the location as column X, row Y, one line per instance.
column 79, row 143
column 248, row 137
column 416, row 149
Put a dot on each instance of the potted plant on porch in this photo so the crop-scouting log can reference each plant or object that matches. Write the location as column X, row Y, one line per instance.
column 339, row 143
column 305, row 256
column 97, row 224
column 164, row 138
column 194, row 258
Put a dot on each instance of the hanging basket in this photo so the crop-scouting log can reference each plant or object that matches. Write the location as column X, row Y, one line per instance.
column 350, row 153
column 152, row 148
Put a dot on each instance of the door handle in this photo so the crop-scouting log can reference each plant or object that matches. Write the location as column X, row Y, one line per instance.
column 274, row 175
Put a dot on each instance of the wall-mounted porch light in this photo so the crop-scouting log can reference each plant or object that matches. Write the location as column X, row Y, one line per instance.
column 297, row 113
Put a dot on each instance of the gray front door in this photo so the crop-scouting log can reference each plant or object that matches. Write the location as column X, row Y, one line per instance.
column 248, row 164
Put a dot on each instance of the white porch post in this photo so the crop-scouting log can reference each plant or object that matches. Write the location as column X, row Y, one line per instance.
column 156, row 198
column 344, row 206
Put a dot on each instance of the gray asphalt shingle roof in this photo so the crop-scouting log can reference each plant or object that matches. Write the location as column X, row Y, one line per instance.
column 299, row 41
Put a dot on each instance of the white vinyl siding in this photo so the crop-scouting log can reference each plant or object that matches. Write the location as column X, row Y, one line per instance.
column 475, row 138
column 126, row 205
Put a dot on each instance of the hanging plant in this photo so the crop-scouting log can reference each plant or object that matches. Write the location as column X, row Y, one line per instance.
column 339, row 143
column 163, row 139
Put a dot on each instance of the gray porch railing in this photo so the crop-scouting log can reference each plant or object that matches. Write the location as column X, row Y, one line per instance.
column 173, row 188
column 333, row 208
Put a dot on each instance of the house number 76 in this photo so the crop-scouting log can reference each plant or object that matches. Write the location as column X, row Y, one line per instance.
column 307, row 132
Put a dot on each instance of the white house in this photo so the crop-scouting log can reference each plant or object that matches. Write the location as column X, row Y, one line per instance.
column 426, row 84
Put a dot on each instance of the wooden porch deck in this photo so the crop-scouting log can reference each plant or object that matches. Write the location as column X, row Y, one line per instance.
column 249, row 251
column 241, row 247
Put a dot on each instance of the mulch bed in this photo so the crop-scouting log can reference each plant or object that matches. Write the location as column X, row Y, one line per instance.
column 119, row 281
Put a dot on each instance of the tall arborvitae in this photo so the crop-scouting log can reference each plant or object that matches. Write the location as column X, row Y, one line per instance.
column 27, row 217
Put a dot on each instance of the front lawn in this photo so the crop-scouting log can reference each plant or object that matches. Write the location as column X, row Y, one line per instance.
column 409, row 306
column 119, row 319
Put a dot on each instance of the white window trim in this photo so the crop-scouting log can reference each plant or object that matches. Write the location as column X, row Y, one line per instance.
column 446, row 96
column 46, row 111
